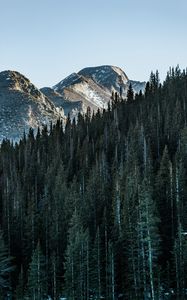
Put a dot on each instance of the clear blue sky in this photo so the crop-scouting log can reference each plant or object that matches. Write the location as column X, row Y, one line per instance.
column 47, row 40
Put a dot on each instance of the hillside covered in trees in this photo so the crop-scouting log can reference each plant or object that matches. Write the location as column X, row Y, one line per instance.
column 98, row 210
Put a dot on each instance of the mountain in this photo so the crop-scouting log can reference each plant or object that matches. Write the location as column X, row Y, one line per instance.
column 91, row 87
column 112, row 78
column 60, row 102
column 22, row 106
column 108, row 77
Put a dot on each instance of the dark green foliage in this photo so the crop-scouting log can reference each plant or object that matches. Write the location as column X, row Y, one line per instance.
column 77, row 261
column 20, row 290
column 130, row 93
column 106, row 198
column 6, row 266
column 37, row 285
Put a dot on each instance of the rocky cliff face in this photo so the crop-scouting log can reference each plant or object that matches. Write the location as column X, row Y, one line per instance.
column 22, row 106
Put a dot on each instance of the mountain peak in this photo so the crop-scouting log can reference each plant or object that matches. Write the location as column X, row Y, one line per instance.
column 22, row 106
column 15, row 81
column 105, row 75
column 92, row 86
column 103, row 69
column 12, row 79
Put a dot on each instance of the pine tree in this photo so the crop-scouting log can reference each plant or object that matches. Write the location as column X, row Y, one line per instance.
column 129, row 233
column 37, row 285
column 180, row 244
column 77, row 261
column 20, row 289
column 148, row 234
column 165, row 205
column 130, row 94
column 55, row 281
column 6, row 266
column 96, row 267
column 111, row 272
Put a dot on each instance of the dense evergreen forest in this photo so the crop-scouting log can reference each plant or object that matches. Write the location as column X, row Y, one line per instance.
column 98, row 209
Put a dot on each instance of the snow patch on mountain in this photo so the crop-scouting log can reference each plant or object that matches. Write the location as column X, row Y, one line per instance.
column 93, row 86
column 90, row 94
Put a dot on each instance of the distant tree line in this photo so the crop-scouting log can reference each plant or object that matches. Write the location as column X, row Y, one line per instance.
column 98, row 210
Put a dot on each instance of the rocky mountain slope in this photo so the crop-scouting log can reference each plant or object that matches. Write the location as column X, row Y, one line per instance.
column 22, row 106
column 60, row 102
column 91, row 87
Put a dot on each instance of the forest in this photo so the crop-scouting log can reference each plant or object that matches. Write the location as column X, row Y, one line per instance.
column 98, row 209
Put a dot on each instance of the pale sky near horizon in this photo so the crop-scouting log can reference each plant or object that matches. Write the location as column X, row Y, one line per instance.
column 46, row 40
